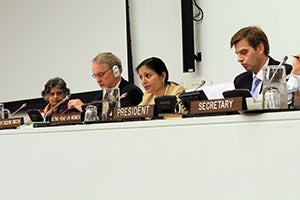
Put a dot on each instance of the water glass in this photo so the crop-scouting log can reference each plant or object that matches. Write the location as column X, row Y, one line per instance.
column 90, row 113
column 110, row 100
column 2, row 111
column 274, row 87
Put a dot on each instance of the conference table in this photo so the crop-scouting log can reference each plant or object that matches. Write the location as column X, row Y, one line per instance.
column 242, row 156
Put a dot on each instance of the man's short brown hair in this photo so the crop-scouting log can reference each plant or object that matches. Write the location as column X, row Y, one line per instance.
column 254, row 36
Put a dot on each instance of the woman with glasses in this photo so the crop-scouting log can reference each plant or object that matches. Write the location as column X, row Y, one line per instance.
column 56, row 94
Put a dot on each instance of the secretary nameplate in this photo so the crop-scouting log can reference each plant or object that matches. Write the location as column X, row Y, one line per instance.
column 216, row 105
column 296, row 100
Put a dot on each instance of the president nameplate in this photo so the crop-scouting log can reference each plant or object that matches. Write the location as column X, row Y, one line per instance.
column 11, row 122
column 216, row 105
column 133, row 112
column 69, row 118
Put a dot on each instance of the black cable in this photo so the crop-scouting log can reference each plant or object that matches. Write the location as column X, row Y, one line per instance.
column 129, row 49
column 200, row 14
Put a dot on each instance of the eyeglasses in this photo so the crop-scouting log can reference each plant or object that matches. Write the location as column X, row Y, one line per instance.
column 100, row 74
column 59, row 93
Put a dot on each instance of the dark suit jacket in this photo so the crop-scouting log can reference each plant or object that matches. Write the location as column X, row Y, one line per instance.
column 134, row 97
column 244, row 80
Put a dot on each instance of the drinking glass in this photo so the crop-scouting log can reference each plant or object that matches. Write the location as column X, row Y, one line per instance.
column 90, row 113
column 110, row 100
column 274, row 87
column 1, row 111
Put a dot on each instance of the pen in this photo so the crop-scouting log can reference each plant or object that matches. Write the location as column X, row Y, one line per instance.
column 296, row 57
column 124, row 95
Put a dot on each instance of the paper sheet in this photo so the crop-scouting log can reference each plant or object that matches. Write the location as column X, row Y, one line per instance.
column 215, row 91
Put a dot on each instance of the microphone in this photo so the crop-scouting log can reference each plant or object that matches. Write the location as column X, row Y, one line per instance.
column 49, row 111
column 200, row 85
column 20, row 108
column 283, row 61
column 280, row 64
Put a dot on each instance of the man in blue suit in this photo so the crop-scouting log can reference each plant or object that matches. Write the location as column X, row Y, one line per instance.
column 252, row 49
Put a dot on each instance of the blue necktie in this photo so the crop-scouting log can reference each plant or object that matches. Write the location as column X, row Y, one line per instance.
column 255, row 88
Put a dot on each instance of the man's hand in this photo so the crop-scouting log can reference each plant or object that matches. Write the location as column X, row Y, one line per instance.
column 75, row 103
column 296, row 65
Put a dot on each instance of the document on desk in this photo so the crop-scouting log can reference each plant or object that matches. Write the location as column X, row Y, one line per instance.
column 215, row 91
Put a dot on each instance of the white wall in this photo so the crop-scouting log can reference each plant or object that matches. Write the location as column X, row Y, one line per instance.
column 156, row 31
column 41, row 39
column 96, row 26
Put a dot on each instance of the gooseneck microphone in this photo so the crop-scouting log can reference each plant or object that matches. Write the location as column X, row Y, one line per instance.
column 280, row 64
column 20, row 108
column 200, row 85
column 50, row 110
column 283, row 61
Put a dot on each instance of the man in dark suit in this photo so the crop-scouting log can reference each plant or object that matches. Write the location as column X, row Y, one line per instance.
column 252, row 49
column 107, row 69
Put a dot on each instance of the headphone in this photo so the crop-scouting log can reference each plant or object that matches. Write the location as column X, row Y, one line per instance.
column 116, row 71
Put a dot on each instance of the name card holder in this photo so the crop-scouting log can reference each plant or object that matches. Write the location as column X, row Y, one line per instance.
column 296, row 100
column 11, row 123
column 64, row 119
column 133, row 112
column 216, row 106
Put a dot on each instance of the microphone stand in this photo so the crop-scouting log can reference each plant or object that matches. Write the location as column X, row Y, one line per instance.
column 280, row 64
column 50, row 110
column 200, row 85
column 20, row 108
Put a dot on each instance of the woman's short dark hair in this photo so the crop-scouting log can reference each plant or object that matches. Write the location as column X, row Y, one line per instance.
column 157, row 65
column 54, row 82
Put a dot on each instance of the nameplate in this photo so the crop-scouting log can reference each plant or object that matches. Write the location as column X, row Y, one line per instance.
column 296, row 100
column 11, row 122
column 133, row 112
column 216, row 105
column 69, row 118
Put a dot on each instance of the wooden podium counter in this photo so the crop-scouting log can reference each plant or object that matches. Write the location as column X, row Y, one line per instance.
column 250, row 156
